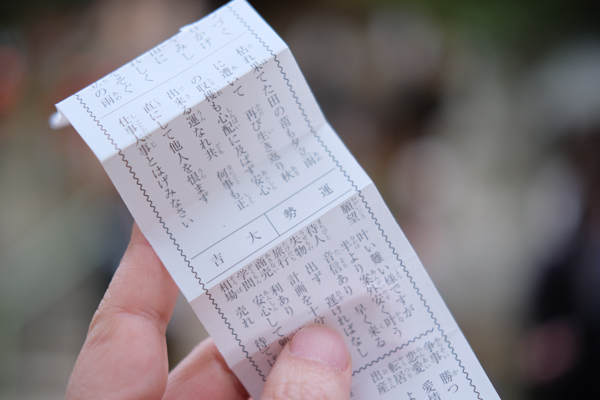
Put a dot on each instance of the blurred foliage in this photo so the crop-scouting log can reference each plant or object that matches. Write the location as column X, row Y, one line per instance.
column 522, row 24
column 18, row 13
column 529, row 27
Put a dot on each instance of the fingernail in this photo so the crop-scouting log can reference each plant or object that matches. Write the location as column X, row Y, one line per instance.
column 321, row 344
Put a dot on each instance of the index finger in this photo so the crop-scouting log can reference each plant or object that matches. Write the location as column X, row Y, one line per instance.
column 204, row 374
column 125, row 353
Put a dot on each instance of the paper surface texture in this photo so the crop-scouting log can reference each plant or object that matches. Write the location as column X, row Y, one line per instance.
column 261, row 215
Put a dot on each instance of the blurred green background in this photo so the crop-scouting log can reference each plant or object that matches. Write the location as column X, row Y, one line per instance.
column 479, row 121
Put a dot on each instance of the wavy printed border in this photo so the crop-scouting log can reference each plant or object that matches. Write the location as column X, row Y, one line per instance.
column 366, row 206
column 162, row 222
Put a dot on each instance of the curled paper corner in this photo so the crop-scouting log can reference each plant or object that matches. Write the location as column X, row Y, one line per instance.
column 58, row 121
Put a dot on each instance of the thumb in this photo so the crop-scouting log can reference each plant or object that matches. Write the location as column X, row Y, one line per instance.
column 315, row 365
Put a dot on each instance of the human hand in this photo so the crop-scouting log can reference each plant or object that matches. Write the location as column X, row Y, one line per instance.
column 125, row 352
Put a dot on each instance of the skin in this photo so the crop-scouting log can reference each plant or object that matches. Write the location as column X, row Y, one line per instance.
column 125, row 353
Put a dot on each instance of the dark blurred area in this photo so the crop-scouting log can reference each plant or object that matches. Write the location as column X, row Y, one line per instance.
column 478, row 121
